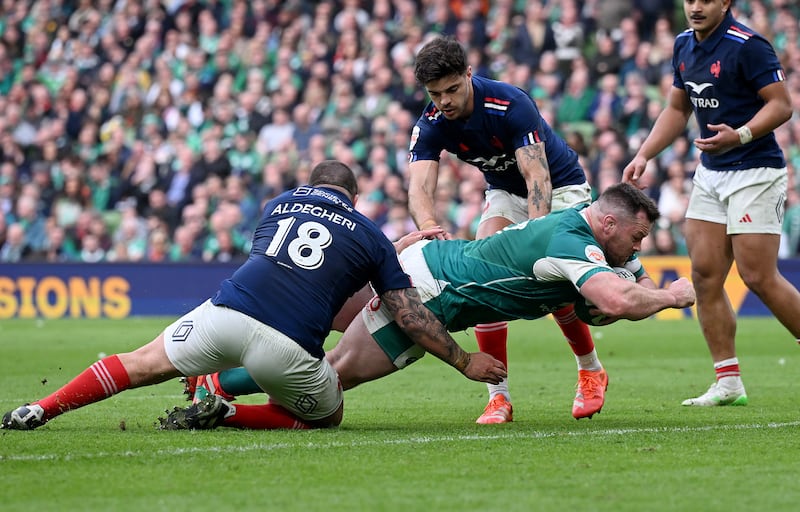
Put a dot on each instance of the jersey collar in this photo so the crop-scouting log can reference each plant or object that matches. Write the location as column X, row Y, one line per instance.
column 715, row 38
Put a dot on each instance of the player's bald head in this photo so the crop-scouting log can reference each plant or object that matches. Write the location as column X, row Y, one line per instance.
column 334, row 172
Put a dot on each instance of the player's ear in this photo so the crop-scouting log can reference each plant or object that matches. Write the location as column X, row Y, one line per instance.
column 355, row 199
column 609, row 221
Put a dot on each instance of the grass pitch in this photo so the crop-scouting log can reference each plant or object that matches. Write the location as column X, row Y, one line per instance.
column 409, row 441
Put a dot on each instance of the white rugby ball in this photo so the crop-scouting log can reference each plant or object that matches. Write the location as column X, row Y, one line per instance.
column 582, row 306
column 624, row 273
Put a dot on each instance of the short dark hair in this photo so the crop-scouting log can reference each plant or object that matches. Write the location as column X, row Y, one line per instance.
column 440, row 58
column 334, row 172
column 628, row 199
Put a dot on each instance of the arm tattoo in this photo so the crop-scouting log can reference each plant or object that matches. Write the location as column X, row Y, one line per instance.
column 422, row 326
column 533, row 157
column 535, row 195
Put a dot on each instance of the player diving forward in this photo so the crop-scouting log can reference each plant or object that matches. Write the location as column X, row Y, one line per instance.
column 527, row 271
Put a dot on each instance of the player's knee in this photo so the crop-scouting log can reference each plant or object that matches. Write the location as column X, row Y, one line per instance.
column 332, row 421
column 758, row 281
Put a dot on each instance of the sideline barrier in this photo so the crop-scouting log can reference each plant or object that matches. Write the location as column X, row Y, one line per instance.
column 106, row 290
column 120, row 290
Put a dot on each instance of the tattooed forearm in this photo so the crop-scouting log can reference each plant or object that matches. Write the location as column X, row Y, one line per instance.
column 536, row 197
column 532, row 162
column 422, row 326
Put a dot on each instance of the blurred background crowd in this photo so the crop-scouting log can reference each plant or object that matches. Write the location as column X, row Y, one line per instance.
column 155, row 130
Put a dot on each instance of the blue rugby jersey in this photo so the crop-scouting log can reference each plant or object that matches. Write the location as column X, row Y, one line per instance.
column 311, row 251
column 504, row 119
column 722, row 76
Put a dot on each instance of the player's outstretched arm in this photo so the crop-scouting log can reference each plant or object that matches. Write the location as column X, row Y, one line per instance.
column 618, row 298
column 422, row 326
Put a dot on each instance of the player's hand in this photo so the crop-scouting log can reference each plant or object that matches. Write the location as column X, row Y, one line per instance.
column 683, row 291
column 416, row 236
column 634, row 170
column 724, row 140
column 484, row 368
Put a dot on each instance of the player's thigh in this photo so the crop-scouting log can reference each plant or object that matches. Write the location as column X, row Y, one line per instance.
column 709, row 248
column 357, row 357
column 756, row 256
column 307, row 386
column 207, row 339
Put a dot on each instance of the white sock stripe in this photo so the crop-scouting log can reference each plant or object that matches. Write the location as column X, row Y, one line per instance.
column 566, row 319
column 104, row 378
column 496, row 326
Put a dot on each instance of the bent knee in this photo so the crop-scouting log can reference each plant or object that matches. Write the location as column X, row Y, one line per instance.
column 759, row 282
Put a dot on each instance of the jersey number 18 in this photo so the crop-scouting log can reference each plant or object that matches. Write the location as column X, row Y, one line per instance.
column 305, row 250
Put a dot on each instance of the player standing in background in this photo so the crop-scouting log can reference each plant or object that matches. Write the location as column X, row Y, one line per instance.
column 731, row 79
column 311, row 251
column 529, row 171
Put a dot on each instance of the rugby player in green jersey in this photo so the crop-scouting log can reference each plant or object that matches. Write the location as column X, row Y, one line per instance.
column 525, row 271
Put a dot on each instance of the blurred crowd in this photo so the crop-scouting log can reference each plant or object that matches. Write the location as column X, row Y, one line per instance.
column 155, row 130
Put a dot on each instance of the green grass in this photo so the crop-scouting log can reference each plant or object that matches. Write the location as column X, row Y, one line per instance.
column 409, row 441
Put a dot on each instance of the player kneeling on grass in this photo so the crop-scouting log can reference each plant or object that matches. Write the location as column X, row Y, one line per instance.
column 527, row 270
column 311, row 251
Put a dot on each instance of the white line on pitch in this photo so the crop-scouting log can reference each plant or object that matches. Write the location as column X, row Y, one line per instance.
column 401, row 441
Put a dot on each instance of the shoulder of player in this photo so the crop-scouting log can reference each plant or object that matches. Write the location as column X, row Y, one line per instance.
column 490, row 94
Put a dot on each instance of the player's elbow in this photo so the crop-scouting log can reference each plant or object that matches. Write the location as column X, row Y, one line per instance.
column 785, row 112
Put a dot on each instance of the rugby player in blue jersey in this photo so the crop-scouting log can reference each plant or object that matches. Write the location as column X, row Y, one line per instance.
column 529, row 171
column 527, row 270
column 311, row 251
column 731, row 79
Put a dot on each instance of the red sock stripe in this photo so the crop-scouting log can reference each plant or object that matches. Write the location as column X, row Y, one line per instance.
column 731, row 370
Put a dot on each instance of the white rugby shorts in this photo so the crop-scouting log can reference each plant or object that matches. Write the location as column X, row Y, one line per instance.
column 501, row 203
column 211, row 338
column 746, row 201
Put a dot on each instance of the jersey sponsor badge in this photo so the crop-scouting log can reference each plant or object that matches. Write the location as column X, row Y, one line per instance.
column 595, row 254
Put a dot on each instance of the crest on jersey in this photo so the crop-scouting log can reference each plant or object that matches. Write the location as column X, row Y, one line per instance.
column 595, row 254
column 698, row 88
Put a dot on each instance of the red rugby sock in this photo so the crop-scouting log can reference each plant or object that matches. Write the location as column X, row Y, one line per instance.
column 101, row 380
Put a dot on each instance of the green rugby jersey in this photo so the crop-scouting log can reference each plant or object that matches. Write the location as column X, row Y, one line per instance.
column 527, row 270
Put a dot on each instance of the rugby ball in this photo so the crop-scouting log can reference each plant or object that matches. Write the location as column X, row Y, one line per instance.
column 582, row 306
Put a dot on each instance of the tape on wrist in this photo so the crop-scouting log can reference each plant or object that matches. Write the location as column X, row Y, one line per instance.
column 745, row 135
